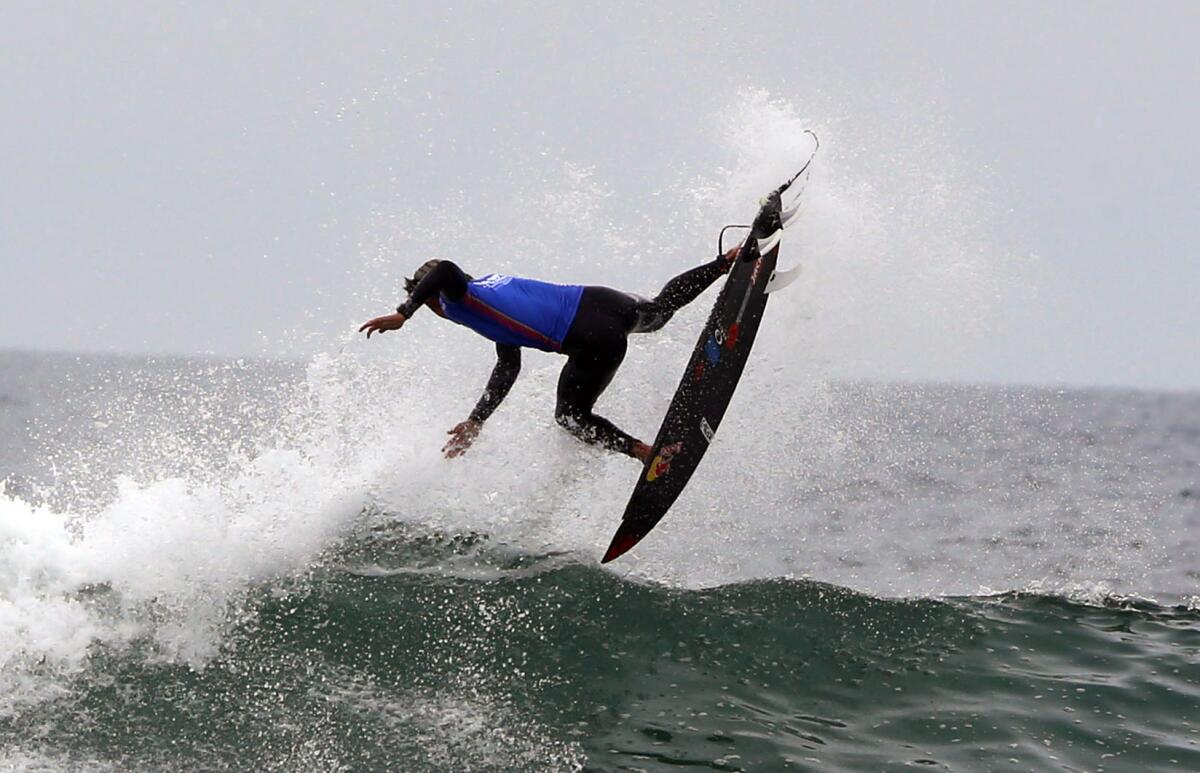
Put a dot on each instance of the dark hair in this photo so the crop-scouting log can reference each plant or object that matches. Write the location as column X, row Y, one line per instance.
column 411, row 283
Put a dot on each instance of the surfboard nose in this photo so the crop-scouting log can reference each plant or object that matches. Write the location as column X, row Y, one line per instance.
column 622, row 541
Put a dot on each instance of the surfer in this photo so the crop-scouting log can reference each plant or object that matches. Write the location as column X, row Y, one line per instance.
column 588, row 324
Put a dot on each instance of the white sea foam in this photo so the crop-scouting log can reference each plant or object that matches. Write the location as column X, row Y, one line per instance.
column 163, row 561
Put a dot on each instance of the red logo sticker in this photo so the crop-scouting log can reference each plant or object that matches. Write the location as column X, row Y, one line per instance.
column 662, row 463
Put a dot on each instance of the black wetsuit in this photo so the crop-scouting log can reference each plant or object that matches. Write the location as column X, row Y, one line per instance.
column 595, row 344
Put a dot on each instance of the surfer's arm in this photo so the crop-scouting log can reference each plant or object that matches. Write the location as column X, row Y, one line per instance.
column 446, row 278
column 508, row 365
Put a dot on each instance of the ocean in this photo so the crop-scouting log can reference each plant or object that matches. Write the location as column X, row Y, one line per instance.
column 212, row 564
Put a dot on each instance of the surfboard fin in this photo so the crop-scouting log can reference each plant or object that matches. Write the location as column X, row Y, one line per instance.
column 769, row 243
column 788, row 215
column 781, row 279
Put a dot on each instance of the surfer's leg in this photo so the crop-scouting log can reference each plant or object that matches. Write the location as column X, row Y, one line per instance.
column 686, row 287
column 582, row 381
column 604, row 317
column 676, row 294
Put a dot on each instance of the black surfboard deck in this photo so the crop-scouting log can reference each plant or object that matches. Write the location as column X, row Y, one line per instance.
column 707, row 386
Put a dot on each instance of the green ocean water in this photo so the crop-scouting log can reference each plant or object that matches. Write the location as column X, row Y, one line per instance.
column 379, row 660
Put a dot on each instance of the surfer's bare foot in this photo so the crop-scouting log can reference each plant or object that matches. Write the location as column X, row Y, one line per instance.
column 730, row 256
column 640, row 451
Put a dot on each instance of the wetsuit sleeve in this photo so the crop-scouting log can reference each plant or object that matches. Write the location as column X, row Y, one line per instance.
column 508, row 365
column 446, row 278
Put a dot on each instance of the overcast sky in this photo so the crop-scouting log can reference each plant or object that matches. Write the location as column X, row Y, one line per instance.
column 227, row 177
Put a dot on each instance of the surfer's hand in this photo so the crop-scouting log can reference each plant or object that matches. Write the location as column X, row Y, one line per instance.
column 461, row 437
column 383, row 324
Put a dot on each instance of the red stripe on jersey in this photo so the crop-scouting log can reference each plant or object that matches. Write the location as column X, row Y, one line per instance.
column 508, row 322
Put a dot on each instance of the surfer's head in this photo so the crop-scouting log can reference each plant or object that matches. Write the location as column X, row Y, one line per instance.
column 411, row 283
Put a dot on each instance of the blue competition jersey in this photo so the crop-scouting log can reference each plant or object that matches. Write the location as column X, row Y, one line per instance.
column 520, row 312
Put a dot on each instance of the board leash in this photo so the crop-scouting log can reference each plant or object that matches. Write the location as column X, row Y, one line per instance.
column 804, row 171
column 816, row 146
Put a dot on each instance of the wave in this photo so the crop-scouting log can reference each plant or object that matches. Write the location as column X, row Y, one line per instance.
column 373, row 661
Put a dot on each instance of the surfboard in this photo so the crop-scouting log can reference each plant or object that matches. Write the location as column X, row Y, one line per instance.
column 711, row 376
